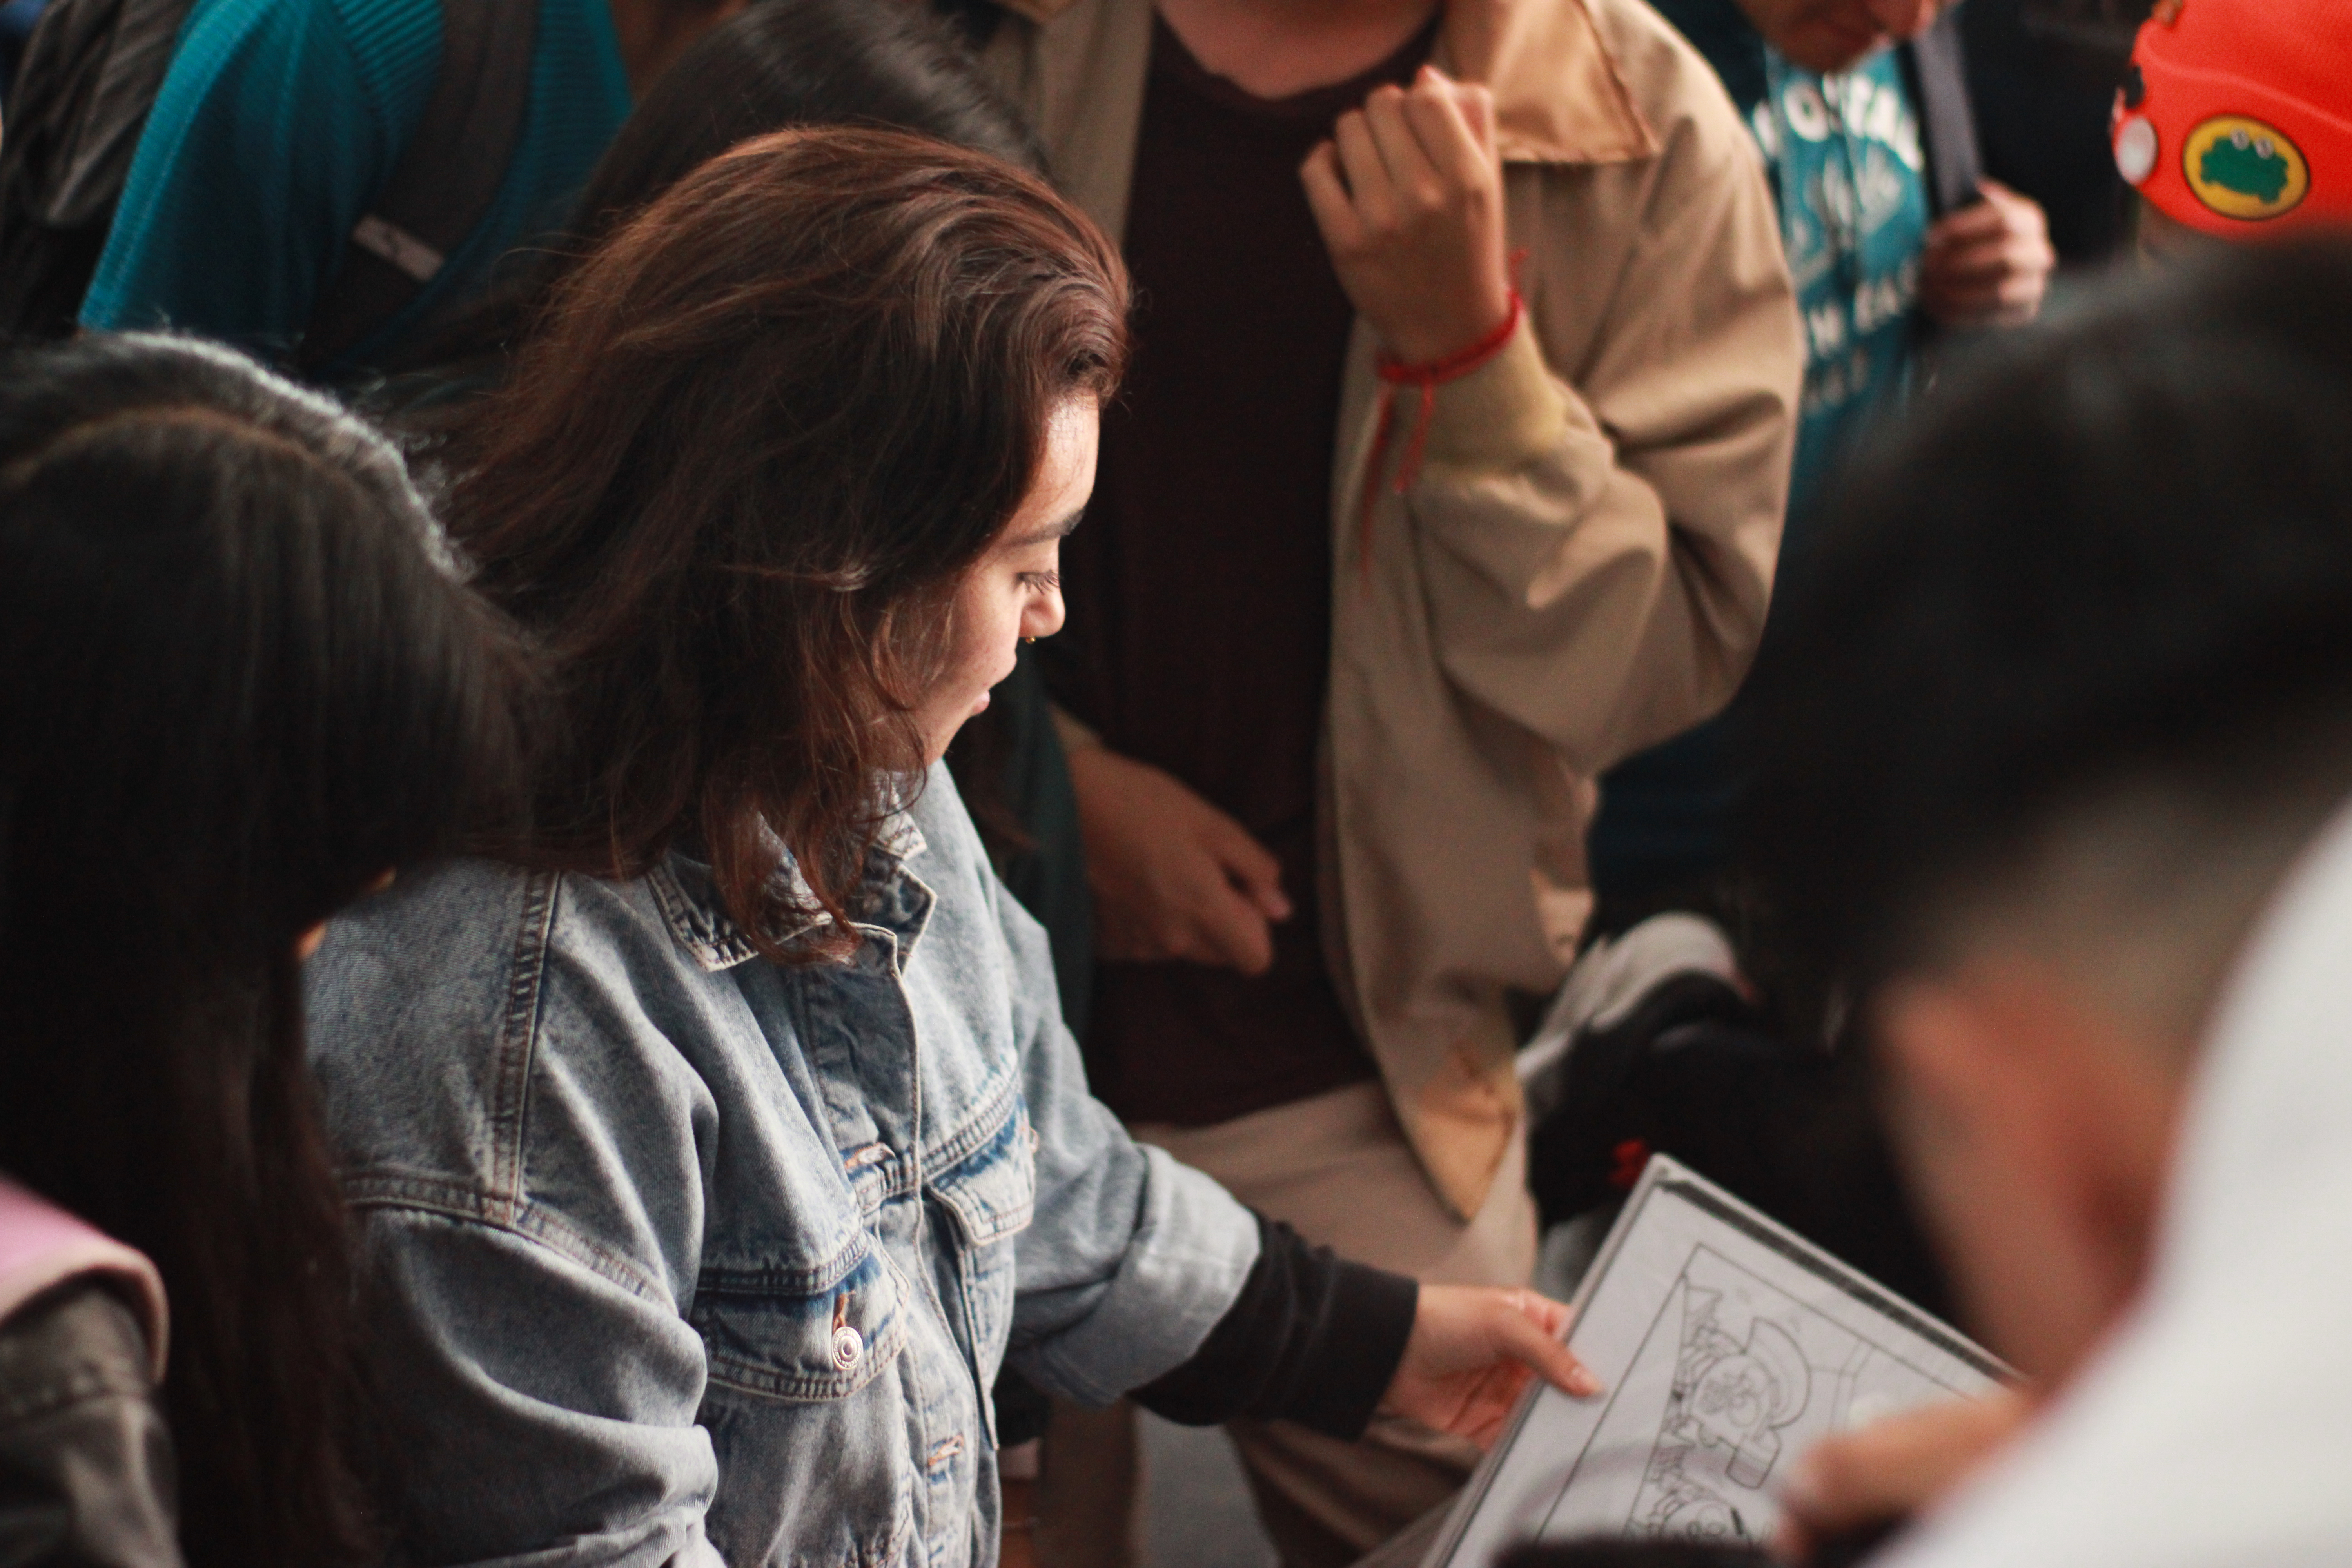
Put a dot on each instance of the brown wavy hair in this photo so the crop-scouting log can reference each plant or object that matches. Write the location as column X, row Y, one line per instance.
column 761, row 436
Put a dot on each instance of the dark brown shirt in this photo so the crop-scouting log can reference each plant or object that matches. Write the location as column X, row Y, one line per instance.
column 1199, row 588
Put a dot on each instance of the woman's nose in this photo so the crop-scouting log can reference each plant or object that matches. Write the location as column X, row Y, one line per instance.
column 1044, row 614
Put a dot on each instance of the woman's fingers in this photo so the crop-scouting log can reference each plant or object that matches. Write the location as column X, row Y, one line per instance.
column 1477, row 105
column 1533, row 1337
column 1367, row 173
column 1420, row 188
column 1173, row 876
column 1471, row 1351
column 1233, row 934
column 1327, row 197
column 1409, row 198
column 1252, row 868
column 1440, row 110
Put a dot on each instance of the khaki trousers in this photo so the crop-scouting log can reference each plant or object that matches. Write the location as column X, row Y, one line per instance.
column 1337, row 1168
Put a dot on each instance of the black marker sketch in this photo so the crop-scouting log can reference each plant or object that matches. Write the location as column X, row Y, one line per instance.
column 1733, row 1376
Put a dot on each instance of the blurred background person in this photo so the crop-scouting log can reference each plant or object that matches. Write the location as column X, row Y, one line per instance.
column 1862, row 110
column 240, row 686
column 774, row 64
column 315, row 181
column 2235, row 122
column 2041, row 77
column 1387, row 561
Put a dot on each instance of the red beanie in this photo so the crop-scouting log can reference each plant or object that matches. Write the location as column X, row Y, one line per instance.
column 2237, row 116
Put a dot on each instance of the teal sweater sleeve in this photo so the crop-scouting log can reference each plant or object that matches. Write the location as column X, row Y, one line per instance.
column 264, row 145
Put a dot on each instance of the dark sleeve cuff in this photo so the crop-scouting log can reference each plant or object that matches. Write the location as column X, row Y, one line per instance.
column 1311, row 1338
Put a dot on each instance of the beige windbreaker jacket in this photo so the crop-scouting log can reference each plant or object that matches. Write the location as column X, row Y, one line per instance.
column 1582, row 564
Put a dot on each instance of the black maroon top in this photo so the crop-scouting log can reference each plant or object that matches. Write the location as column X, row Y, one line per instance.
column 1200, row 589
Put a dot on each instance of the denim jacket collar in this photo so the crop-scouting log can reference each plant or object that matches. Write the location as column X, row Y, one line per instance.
column 899, row 904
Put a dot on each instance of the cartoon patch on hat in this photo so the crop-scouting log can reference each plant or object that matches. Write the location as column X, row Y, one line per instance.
column 2241, row 168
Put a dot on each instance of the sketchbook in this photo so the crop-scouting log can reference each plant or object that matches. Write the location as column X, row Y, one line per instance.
column 1728, row 1345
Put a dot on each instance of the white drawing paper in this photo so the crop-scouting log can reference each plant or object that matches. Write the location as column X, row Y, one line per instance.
column 1729, row 1345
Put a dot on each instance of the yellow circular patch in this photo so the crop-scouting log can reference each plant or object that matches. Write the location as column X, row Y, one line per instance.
column 2243, row 168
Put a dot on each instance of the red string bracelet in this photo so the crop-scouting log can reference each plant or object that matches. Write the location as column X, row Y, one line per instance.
column 1428, row 377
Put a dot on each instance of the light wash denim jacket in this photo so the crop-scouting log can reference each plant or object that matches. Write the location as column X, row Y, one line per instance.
column 670, row 1254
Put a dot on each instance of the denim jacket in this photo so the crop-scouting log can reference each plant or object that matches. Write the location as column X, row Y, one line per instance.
column 671, row 1254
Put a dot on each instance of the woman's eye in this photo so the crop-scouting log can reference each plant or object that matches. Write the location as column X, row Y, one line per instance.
column 1041, row 581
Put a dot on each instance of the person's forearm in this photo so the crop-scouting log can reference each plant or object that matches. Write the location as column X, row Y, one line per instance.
column 1311, row 1338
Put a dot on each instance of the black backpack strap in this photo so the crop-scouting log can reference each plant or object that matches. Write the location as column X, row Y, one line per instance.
column 1939, row 85
column 445, row 180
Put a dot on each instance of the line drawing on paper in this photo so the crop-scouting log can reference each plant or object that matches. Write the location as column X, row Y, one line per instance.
column 1734, row 1379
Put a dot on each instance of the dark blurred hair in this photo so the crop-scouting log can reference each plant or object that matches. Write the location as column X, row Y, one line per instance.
column 2120, row 555
column 236, row 688
column 778, row 64
column 738, row 473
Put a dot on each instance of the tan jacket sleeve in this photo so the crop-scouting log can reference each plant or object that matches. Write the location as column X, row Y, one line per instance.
column 1598, row 545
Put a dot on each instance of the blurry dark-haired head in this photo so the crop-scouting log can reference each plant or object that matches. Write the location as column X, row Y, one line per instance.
column 2067, row 691
column 240, row 683
column 777, row 64
column 782, row 63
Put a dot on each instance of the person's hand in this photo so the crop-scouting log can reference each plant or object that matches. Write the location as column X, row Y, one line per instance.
column 1989, row 263
column 1473, row 1351
column 1173, row 876
column 1408, row 194
column 1876, row 1474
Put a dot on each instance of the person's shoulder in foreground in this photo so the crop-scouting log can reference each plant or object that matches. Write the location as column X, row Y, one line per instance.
column 2054, row 759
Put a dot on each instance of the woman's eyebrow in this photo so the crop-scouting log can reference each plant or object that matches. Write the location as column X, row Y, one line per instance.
column 1051, row 530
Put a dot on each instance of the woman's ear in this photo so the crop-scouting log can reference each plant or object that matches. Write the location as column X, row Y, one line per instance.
column 308, row 943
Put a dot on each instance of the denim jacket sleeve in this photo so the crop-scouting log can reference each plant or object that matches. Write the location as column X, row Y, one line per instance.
column 1132, row 1257
column 505, row 1449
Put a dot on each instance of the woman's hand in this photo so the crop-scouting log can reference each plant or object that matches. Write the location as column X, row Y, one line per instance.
column 1876, row 1475
column 1473, row 1351
column 1408, row 194
column 1989, row 263
column 1173, row 876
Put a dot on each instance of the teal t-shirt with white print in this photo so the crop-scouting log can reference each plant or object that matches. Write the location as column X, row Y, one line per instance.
column 1850, row 177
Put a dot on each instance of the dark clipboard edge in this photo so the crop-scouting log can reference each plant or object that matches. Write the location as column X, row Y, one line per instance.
column 1664, row 1173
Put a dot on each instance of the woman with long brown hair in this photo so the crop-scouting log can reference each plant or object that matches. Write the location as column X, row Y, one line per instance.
column 239, row 684
column 713, row 1142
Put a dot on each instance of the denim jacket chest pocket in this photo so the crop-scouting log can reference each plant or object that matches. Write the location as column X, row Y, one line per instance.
column 823, row 1335
column 805, row 1320
column 993, row 1194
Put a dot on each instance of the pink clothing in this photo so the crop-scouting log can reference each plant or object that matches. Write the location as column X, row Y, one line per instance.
column 42, row 1246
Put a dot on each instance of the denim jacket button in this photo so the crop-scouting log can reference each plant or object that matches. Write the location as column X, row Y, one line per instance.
column 848, row 1347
